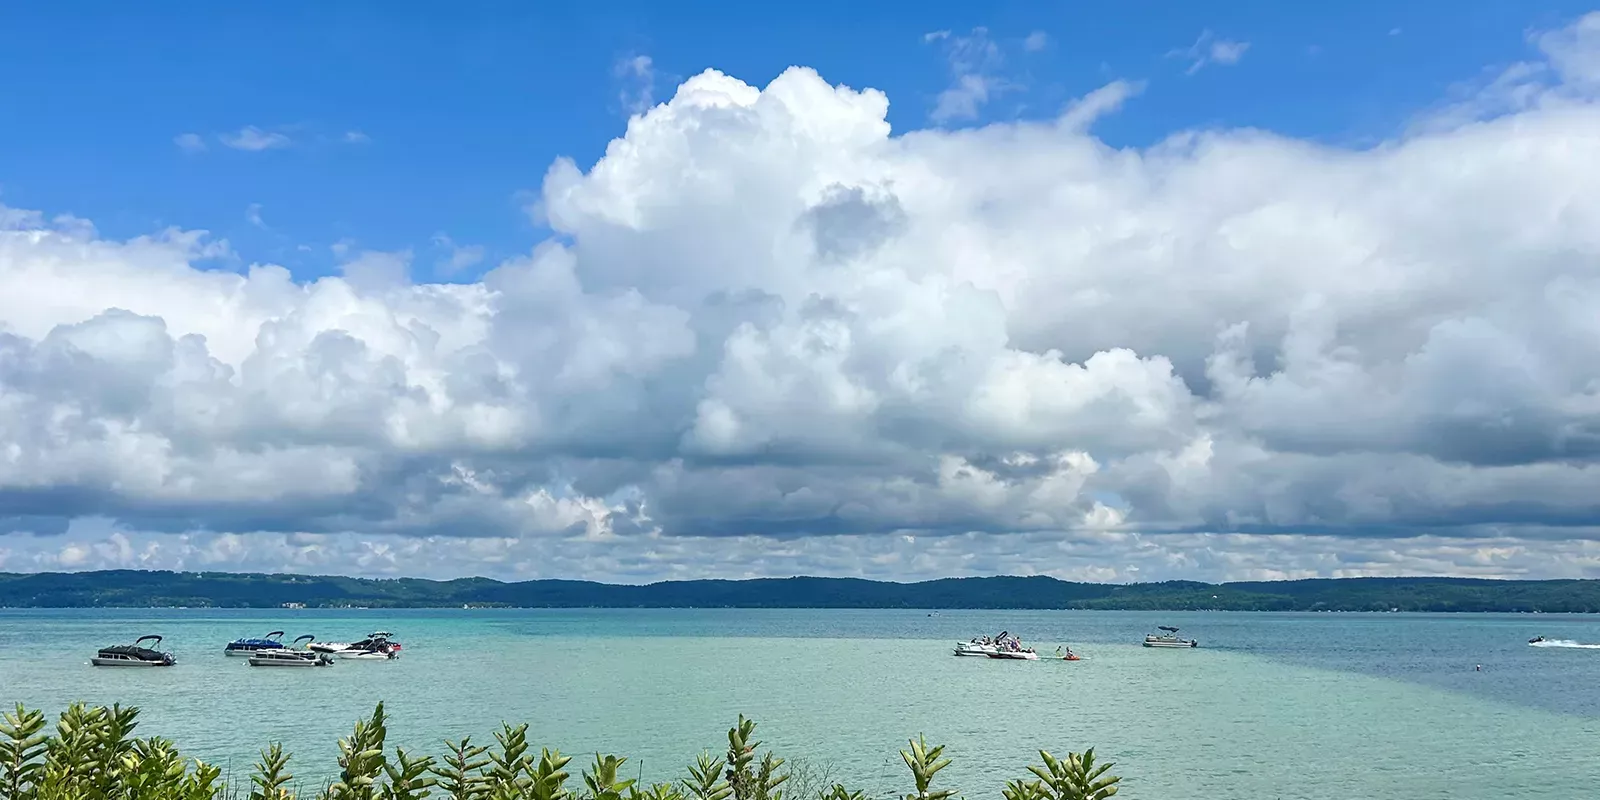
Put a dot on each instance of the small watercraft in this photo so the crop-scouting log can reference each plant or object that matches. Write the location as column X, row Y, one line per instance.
column 1168, row 639
column 1536, row 640
column 376, row 648
column 377, row 640
column 1026, row 654
column 385, row 654
column 1067, row 654
column 244, row 647
column 134, row 655
column 1010, row 647
column 293, row 656
column 981, row 646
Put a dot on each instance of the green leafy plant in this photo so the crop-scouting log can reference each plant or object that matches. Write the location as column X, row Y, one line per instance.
column 749, row 779
column 361, row 760
column 22, row 748
column 1075, row 777
column 271, row 777
column 460, row 772
column 602, row 781
column 705, row 781
column 925, row 762
column 92, row 754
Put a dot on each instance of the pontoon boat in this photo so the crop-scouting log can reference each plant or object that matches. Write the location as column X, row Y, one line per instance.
column 133, row 655
column 293, row 656
column 1168, row 639
column 244, row 647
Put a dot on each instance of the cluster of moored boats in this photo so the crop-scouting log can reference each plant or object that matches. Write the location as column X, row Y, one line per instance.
column 266, row 651
column 1007, row 646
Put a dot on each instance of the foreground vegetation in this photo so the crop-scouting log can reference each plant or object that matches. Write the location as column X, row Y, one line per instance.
column 143, row 589
column 92, row 754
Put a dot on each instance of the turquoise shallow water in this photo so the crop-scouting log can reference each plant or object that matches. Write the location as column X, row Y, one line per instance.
column 1271, row 706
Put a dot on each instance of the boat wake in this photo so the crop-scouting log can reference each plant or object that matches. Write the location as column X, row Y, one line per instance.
column 1568, row 643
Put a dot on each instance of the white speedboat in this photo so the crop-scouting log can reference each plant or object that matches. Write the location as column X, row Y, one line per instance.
column 293, row 656
column 976, row 647
column 1169, row 638
column 133, row 655
column 368, row 655
column 1016, row 655
column 374, row 641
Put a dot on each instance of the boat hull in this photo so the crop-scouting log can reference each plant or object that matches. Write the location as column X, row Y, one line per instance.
column 1015, row 656
column 363, row 655
column 1171, row 644
column 297, row 661
column 125, row 662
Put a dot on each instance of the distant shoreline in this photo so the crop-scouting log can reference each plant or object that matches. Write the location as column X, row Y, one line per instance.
column 780, row 608
column 135, row 589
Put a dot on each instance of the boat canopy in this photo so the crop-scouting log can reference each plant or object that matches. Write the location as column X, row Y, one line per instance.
column 270, row 640
column 136, row 650
column 1168, row 628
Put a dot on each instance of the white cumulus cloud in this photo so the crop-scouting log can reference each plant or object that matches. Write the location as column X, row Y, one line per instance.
column 774, row 338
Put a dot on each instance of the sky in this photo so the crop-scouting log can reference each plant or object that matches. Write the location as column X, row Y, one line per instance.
column 1107, row 291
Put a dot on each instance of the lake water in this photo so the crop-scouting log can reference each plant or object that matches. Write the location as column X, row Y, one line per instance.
column 1311, row 706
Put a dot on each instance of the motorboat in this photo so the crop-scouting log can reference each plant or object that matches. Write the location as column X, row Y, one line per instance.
column 1010, row 647
column 134, row 655
column 292, row 656
column 1026, row 654
column 377, row 654
column 984, row 645
column 376, row 647
column 377, row 640
column 981, row 646
column 1536, row 640
column 244, row 647
column 1168, row 638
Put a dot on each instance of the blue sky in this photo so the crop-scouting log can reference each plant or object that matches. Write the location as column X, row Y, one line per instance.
column 462, row 108
column 1342, row 325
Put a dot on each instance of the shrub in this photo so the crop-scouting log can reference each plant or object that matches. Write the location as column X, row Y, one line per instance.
column 92, row 754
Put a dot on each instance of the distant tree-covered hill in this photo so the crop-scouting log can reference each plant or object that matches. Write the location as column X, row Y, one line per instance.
column 129, row 588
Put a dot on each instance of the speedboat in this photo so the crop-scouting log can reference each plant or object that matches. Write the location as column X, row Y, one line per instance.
column 376, row 647
column 1168, row 639
column 1536, row 640
column 981, row 646
column 293, row 656
column 377, row 640
column 244, row 647
column 134, row 655
column 1010, row 647
column 376, row 654
column 1016, row 655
